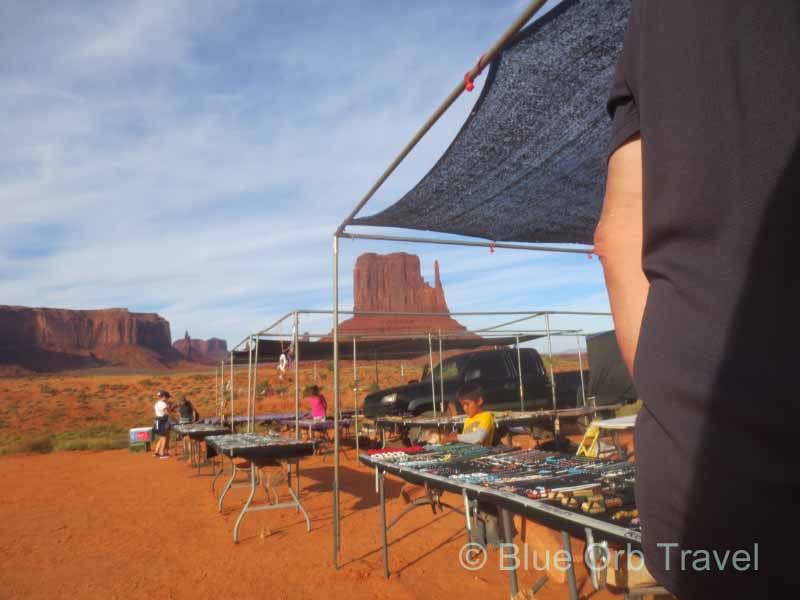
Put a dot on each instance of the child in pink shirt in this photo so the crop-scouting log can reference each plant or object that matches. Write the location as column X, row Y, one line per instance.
column 319, row 407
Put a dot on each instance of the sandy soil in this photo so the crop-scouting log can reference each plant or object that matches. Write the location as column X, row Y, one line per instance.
column 123, row 525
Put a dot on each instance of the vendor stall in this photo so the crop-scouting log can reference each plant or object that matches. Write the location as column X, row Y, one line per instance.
column 587, row 498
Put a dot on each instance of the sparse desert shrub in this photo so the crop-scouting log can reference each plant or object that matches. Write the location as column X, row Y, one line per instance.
column 373, row 387
column 41, row 445
column 148, row 382
column 46, row 389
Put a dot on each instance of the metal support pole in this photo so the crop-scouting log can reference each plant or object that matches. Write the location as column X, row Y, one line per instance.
column 519, row 368
column 573, row 584
column 402, row 371
column 355, row 393
column 216, row 391
column 441, row 375
column 315, row 371
column 382, row 495
column 255, row 385
column 580, row 368
column 233, row 415
column 556, row 422
column 296, row 378
column 336, row 532
column 512, row 573
column 222, row 391
column 433, row 379
column 249, row 379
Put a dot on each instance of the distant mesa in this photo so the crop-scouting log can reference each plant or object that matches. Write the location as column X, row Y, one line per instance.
column 207, row 351
column 54, row 339
column 394, row 283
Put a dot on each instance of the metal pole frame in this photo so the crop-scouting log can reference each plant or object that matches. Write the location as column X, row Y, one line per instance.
column 441, row 376
column 249, row 379
column 556, row 422
column 433, row 379
column 446, row 242
column 296, row 342
column 355, row 394
column 519, row 368
column 255, row 386
column 336, row 524
column 580, row 368
column 233, row 415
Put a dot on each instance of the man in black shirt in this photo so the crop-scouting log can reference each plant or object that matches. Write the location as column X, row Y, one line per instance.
column 696, row 239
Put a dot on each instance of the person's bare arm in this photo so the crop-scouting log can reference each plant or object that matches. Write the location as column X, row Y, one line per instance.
column 618, row 243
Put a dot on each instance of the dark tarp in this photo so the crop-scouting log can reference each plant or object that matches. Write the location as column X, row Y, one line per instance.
column 609, row 380
column 529, row 163
column 376, row 349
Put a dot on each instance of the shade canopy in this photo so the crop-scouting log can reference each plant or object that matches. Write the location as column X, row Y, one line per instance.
column 529, row 163
column 400, row 348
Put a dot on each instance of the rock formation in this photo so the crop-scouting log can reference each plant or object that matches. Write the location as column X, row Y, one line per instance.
column 211, row 350
column 49, row 339
column 393, row 282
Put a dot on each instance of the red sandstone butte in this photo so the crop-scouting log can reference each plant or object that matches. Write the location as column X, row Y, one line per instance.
column 209, row 351
column 393, row 282
column 51, row 339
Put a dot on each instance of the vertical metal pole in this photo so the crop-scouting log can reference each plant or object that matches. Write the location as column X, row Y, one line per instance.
column 441, row 375
column 556, row 422
column 296, row 379
column 216, row 391
column 222, row 391
column 315, row 371
column 433, row 379
column 249, row 379
column 336, row 533
column 512, row 573
column 580, row 368
column 382, row 495
column 355, row 392
column 233, row 415
column 402, row 371
column 519, row 368
column 572, row 583
column 255, row 385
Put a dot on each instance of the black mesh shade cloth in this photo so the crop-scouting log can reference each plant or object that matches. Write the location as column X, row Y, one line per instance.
column 376, row 349
column 529, row 163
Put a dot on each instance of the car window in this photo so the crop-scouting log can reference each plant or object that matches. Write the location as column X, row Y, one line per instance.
column 531, row 363
column 492, row 365
column 453, row 368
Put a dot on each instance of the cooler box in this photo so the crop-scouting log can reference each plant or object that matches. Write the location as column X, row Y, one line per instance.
column 140, row 435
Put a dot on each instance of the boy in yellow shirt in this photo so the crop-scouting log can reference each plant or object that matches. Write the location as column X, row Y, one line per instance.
column 479, row 426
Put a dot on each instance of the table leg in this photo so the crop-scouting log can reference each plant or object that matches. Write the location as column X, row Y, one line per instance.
column 296, row 496
column 227, row 486
column 512, row 573
column 572, row 583
column 217, row 473
column 383, row 525
column 246, row 504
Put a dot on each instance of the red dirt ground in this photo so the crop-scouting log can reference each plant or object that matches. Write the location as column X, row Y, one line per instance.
column 122, row 525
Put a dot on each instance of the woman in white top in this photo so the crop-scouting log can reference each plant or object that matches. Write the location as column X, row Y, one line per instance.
column 162, row 410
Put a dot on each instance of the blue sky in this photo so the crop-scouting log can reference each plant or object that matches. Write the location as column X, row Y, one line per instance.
column 193, row 158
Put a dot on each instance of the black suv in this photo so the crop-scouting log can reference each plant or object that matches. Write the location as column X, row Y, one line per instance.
column 496, row 370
